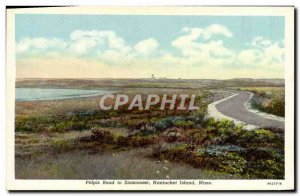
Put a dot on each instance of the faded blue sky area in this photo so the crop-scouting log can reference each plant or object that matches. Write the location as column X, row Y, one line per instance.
column 134, row 46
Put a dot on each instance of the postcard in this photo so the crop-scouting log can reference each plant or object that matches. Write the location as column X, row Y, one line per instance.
column 173, row 98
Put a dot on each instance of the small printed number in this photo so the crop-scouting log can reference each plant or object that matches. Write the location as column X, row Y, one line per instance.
column 274, row 183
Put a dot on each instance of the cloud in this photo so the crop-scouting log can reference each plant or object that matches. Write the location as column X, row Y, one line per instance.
column 274, row 53
column 270, row 53
column 261, row 42
column 195, row 53
column 83, row 42
column 82, row 46
column 249, row 57
column 198, row 43
column 39, row 44
column 146, row 46
column 216, row 29
column 193, row 34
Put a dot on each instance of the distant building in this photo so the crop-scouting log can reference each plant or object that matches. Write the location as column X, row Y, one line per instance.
column 153, row 77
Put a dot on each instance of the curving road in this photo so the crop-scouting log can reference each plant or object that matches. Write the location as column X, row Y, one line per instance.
column 235, row 108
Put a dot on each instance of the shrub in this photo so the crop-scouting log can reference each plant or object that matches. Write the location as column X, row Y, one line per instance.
column 22, row 125
column 199, row 138
column 123, row 141
column 31, row 124
column 205, row 162
column 174, row 134
column 233, row 163
column 192, row 132
column 78, row 126
column 273, row 104
column 210, row 122
column 147, row 129
column 53, row 123
column 223, row 123
column 100, row 136
column 261, row 93
column 184, row 124
column 179, row 152
column 219, row 150
column 61, row 127
column 276, row 106
column 113, row 113
column 62, row 145
column 265, row 135
column 178, row 121
column 264, row 162
column 164, row 123
column 154, row 120
column 223, row 147
column 248, row 137
column 266, row 169
column 221, row 158
column 135, row 123
column 203, row 136
column 66, row 126
column 136, row 141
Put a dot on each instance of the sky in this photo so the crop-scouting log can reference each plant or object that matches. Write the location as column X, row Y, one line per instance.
column 137, row 46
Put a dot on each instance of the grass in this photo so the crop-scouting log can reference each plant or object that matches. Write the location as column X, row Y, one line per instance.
column 268, row 99
column 74, row 140
column 123, row 165
column 215, row 146
column 264, row 89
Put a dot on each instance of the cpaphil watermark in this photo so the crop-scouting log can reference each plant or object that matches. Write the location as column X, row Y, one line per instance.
column 186, row 102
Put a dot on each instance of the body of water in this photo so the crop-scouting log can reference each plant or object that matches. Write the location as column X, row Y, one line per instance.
column 33, row 94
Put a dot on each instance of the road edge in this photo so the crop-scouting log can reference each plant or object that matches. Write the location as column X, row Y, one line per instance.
column 214, row 113
column 260, row 113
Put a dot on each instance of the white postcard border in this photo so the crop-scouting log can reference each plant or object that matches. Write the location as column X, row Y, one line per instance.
column 287, row 184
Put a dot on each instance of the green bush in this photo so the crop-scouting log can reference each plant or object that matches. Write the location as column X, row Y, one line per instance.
column 154, row 120
column 248, row 137
column 219, row 150
column 53, row 123
column 99, row 135
column 184, row 124
column 179, row 153
column 179, row 121
column 210, row 122
column 276, row 106
column 223, row 123
column 136, row 141
column 265, row 135
column 147, row 129
column 31, row 124
column 266, row 169
column 62, row 127
column 62, row 145
column 165, row 123
column 123, row 141
column 233, row 163
column 113, row 113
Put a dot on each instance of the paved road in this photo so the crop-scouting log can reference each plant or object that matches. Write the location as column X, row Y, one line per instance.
column 235, row 108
